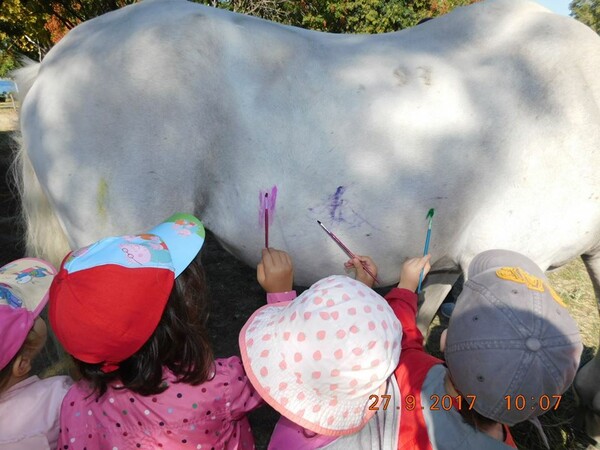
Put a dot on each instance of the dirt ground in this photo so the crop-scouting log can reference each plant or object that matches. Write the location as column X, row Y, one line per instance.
column 8, row 118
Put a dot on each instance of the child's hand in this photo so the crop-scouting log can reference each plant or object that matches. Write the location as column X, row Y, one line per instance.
column 411, row 270
column 275, row 272
column 359, row 263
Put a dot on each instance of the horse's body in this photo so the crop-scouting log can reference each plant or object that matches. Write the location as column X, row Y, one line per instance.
column 490, row 115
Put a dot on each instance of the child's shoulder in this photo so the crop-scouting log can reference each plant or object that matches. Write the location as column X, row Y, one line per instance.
column 57, row 386
column 38, row 402
column 34, row 387
column 57, row 382
column 227, row 373
column 228, row 366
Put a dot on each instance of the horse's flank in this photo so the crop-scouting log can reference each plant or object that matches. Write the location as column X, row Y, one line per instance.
column 489, row 115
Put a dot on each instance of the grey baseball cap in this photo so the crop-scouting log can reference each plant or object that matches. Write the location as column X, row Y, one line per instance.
column 511, row 336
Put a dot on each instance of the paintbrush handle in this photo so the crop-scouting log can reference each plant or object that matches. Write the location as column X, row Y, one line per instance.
column 427, row 238
column 342, row 246
column 347, row 251
column 369, row 272
column 266, row 220
column 425, row 251
column 266, row 228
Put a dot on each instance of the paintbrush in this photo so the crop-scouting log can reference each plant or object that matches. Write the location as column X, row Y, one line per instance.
column 426, row 249
column 266, row 220
column 346, row 250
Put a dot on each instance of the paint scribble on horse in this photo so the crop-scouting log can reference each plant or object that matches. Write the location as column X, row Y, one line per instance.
column 489, row 114
column 267, row 199
column 335, row 210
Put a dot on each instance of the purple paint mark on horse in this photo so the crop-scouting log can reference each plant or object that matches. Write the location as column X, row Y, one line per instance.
column 267, row 203
column 335, row 211
column 339, row 211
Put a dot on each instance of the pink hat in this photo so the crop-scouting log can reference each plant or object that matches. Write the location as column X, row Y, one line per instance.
column 317, row 359
column 24, row 285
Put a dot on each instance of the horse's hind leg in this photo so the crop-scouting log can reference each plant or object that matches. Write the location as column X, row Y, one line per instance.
column 437, row 286
column 587, row 381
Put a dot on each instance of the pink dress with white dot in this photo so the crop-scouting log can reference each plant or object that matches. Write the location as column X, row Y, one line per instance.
column 211, row 415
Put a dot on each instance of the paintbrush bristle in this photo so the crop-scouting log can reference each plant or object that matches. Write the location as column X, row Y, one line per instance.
column 430, row 213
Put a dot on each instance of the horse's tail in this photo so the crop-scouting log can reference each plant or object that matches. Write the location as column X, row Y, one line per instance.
column 44, row 235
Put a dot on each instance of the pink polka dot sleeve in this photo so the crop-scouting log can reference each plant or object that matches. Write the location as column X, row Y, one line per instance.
column 242, row 396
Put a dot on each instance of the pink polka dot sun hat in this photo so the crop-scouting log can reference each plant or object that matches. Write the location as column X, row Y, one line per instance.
column 318, row 358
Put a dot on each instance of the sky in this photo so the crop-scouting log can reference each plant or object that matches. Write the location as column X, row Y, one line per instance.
column 557, row 6
column 6, row 85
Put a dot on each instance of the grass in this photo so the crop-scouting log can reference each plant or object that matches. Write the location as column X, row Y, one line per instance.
column 562, row 427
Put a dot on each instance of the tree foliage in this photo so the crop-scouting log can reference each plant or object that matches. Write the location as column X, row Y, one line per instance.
column 343, row 16
column 21, row 31
column 31, row 27
column 587, row 12
column 368, row 16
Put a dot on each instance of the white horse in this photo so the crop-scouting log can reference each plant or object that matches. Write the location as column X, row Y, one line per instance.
column 490, row 115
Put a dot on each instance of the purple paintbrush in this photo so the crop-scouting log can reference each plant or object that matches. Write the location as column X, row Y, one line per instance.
column 266, row 220
column 346, row 249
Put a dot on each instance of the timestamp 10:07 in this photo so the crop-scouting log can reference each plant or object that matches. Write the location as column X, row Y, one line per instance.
column 521, row 402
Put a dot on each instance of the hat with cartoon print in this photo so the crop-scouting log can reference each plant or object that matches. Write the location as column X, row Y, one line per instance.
column 24, row 285
column 321, row 359
column 511, row 343
column 107, row 298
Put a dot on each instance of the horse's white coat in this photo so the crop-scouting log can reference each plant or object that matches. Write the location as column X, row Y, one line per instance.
column 490, row 115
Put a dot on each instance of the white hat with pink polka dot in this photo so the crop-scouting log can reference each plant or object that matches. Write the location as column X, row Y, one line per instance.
column 318, row 358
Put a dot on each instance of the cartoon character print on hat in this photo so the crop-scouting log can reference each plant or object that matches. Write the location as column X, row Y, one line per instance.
column 9, row 298
column 28, row 274
column 183, row 234
column 131, row 251
column 185, row 227
column 77, row 253
column 22, row 276
column 318, row 358
column 145, row 249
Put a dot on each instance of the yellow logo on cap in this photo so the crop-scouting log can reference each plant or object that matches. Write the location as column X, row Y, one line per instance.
column 532, row 282
column 518, row 275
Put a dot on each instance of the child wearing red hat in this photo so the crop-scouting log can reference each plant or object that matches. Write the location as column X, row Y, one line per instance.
column 132, row 310
column 29, row 406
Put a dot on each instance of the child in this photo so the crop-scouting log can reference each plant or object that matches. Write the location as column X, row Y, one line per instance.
column 324, row 360
column 132, row 310
column 29, row 407
column 511, row 351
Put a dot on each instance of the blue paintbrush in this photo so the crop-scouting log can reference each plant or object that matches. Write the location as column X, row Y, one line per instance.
column 426, row 249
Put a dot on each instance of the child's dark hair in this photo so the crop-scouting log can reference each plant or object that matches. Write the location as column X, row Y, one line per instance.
column 473, row 418
column 179, row 343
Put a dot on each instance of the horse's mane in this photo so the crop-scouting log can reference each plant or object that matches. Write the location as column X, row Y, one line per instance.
column 25, row 75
